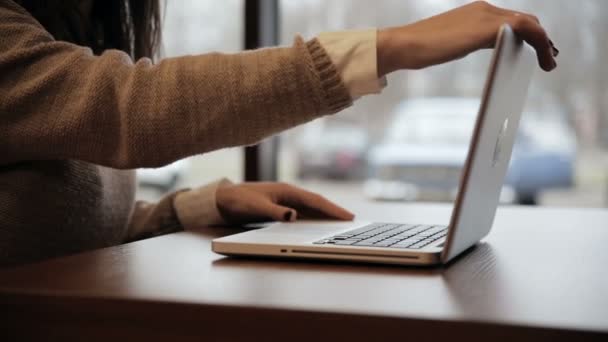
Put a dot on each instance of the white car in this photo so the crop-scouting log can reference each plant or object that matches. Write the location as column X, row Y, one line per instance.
column 425, row 148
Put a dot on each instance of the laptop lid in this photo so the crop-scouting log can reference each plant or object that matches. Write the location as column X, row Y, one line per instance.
column 502, row 103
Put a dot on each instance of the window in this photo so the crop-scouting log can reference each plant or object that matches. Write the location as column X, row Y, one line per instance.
column 196, row 27
column 413, row 137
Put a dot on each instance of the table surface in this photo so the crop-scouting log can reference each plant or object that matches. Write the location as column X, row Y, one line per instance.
column 538, row 268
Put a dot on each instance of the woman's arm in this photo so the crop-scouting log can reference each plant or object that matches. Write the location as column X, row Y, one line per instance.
column 58, row 101
column 223, row 202
column 456, row 33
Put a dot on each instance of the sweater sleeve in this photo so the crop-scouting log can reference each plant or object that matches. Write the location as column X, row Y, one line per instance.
column 182, row 210
column 59, row 101
column 153, row 219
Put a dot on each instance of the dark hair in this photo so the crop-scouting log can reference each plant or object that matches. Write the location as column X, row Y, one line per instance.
column 132, row 26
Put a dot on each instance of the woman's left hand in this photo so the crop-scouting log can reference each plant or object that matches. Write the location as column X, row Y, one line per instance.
column 262, row 201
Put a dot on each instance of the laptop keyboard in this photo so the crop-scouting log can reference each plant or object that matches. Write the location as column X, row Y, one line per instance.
column 388, row 235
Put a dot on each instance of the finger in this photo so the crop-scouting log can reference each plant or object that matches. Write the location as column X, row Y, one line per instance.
column 508, row 12
column 529, row 16
column 310, row 200
column 530, row 31
column 554, row 50
column 267, row 208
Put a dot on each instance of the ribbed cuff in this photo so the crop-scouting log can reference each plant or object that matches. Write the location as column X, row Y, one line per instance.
column 198, row 208
column 335, row 94
column 354, row 53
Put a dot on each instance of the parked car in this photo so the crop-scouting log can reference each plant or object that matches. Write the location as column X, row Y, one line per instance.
column 424, row 151
column 335, row 150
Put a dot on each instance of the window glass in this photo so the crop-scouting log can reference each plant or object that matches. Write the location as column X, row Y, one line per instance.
column 196, row 27
column 409, row 143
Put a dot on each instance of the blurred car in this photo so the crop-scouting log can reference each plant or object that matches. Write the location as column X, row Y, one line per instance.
column 335, row 150
column 424, row 151
column 162, row 179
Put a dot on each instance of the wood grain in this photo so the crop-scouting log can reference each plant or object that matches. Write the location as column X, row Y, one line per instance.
column 538, row 276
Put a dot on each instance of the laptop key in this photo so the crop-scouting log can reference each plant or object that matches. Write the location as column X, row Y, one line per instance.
column 365, row 243
column 409, row 241
column 388, row 234
column 417, row 245
column 415, row 238
column 400, row 246
column 345, row 243
column 382, row 244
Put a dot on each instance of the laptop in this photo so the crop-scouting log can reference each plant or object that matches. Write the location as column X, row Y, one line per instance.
column 504, row 95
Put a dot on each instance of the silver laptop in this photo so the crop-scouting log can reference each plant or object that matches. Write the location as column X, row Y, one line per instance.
column 511, row 69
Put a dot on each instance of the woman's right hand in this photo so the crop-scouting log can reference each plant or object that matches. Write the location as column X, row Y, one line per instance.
column 262, row 201
column 456, row 33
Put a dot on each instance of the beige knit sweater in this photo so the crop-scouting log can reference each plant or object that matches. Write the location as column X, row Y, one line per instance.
column 70, row 120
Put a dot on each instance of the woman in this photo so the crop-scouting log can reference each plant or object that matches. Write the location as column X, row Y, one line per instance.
column 81, row 103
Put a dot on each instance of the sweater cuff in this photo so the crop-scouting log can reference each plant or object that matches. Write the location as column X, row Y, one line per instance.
column 355, row 55
column 198, row 208
column 335, row 95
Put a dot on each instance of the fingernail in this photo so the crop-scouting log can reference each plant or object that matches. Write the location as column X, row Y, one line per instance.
column 555, row 50
column 288, row 215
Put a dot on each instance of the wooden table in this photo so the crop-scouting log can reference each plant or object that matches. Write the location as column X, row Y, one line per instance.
column 540, row 275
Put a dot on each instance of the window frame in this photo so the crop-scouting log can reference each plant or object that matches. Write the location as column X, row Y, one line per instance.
column 261, row 30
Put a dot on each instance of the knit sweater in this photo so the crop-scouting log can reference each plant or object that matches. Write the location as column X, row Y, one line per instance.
column 73, row 124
